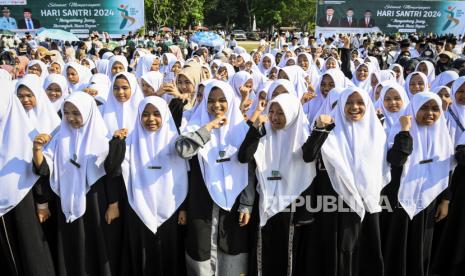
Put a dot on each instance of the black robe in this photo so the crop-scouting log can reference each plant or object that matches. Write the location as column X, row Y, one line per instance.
column 24, row 250
column 336, row 243
column 406, row 243
column 88, row 246
column 143, row 252
column 450, row 256
column 279, row 237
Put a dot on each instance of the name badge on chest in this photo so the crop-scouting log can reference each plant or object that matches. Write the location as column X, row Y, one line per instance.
column 222, row 153
column 275, row 175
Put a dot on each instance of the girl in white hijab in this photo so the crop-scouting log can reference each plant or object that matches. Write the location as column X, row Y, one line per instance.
column 18, row 219
column 362, row 77
column 56, row 87
column 444, row 93
column 427, row 68
column 267, row 61
column 156, row 183
column 457, row 110
column 421, row 151
column 74, row 160
column 296, row 75
column 392, row 101
column 351, row 171
column 38, row 68
column 242, row 80
column 151, row 82
column 118, row 64
column 124, row 98
column 211, row 141
column 146, row 64
column 78, row 76
column 99, row 87
column 38, row 107
column 399, row 70
column 305, row 61
column 167, row 59
column 416, row 82
column 446, row 78
column 331, row 79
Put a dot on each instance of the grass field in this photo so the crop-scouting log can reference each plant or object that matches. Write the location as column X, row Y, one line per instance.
column 248, row 45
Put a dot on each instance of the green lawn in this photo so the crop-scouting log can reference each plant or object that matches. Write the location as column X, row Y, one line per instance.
column 248, row 45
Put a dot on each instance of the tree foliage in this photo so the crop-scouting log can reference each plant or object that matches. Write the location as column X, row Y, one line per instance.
column 240, row 13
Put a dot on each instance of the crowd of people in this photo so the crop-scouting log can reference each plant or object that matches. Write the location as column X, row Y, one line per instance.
column 157, row 156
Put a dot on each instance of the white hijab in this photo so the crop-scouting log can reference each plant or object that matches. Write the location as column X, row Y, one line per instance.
column 400, row 80
column 365, row 84
column 61, row 81
column 328, row 104
column 102, row 84
column 154, row 79
column 87, row 146
column 144, row 65
column 340, row 81
column 356, row 165
column 225, row 180
column 17, row 134
column 119, row 115
column 43, row 116
column 280, row 82
column 281, row 151
column 154, row 194
column 407, row 83
column 390, row 118
column 296, row 76
column 84, row 74
column 262, row 69
column 120, row 59
column 458, row 110
column 420, row 184
column 43, row 67
column 431, row 71
column 445, row 78
column 238, row 80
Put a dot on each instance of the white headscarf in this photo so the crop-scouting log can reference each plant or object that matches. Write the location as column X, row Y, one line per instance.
column 407, row 83
column 392, row 118
column 43, row 67
column 154, row 79
column 171, row 58
column 154, row 194
column 260, row 64
column 102, row 84
column 281, row 151
column 145, row 64
column 312, row 71
column 43, row 116
column 365, row 84
column 61, row 81
column 296, row 76
column 120, row 59
column 458, row 110
column 400, row 80
column 119, row 115
column 238, row 80
column 445, row 78
column 431, row 71
column 225, row 180
column 324, row 68
column 420, row 184
column 84, row 74
column 356, row 165
column 17, row 134
column 87, row 146
column 340, row 81
column 328, row 103
column 102, row 66
column 280, row 82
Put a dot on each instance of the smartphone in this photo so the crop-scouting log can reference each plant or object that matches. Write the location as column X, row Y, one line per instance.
column 169, row 78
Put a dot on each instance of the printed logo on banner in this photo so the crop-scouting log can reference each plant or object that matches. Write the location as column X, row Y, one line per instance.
column 452, row 21
column 124, row 12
